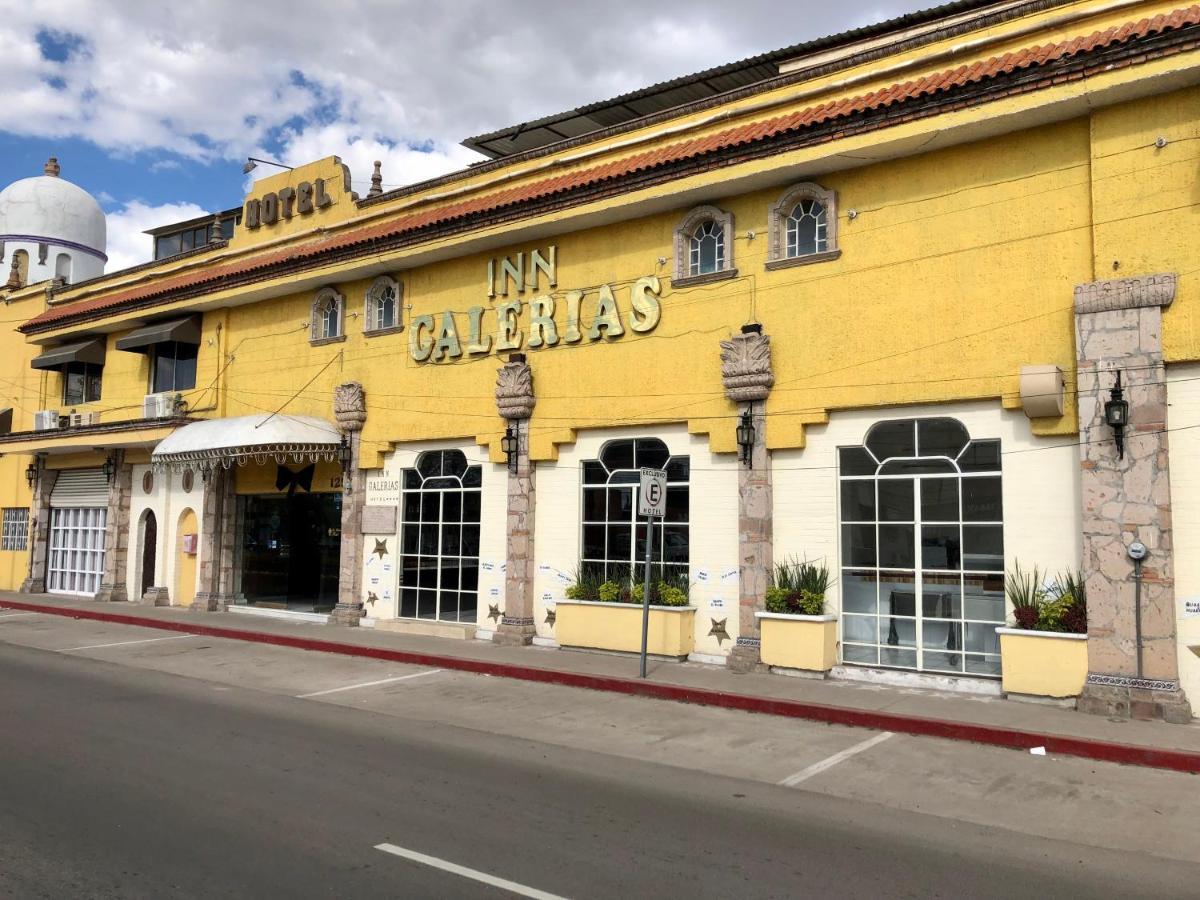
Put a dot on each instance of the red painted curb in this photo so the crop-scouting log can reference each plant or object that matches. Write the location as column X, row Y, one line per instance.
column 1087, row 748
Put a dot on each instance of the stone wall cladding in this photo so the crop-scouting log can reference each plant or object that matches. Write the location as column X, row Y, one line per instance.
column 350, row 411
column 515, row 401
column 1119, row 327
column 39, row 530
column 116, row 532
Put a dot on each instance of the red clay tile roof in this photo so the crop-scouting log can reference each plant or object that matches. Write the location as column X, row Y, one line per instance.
column 740, row 135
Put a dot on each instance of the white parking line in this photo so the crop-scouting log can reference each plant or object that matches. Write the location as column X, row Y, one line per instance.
column 830, row 762
column 473, row 874
column 177, row 637
column 354, row 687
column 14, row 615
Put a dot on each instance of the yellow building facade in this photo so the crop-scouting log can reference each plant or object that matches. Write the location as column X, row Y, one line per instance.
column 864, row 308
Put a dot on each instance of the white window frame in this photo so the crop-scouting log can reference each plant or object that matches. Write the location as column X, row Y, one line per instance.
column 781, row 210
column 320, row 334
column 683, row 246
column 15, row 534
column 636, row 559
column 373, row 304
column 75, row 557
column 918, row 571
column 438, row 557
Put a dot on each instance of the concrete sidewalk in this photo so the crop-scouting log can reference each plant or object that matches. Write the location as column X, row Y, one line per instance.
column 983, row 719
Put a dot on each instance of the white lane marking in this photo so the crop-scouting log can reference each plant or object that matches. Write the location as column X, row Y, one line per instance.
column 14, row 615
column 178, row 637
column 473, row 874
column 354, row 687
column 829, row 763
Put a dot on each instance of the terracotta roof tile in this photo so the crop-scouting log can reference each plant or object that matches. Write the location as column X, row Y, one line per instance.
column 732, row 137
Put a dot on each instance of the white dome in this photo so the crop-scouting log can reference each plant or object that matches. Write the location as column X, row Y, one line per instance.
column 49, row 210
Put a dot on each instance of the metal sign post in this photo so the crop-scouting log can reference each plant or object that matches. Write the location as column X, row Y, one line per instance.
column 652, row 503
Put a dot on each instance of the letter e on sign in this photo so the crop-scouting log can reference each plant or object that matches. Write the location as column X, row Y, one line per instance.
column 652, row 498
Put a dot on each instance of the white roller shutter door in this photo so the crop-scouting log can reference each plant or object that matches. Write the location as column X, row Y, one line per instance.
column 79, row 489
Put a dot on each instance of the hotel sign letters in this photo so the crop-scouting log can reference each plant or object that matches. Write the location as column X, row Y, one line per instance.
column 535, row 319
column 304, row 198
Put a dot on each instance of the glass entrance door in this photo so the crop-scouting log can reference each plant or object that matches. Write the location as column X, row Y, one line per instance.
column 290, row 550
column 922, row 549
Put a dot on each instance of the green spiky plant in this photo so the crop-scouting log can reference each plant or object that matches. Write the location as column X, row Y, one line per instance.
column 1026, row 593
column 798, row 587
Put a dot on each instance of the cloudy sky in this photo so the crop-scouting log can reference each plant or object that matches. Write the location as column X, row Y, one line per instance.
column 154, row 106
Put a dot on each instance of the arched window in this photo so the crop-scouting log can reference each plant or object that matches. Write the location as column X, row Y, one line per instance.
column 803, row 227
column 614, row 535
column 328, row 313
column 383, row 305
column 62, row 267
column 922, row 518
column 21, row 257
column 704, row 247
column 439, row 538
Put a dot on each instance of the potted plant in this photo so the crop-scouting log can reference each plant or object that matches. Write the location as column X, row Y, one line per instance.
column 1044, row 653
column 604, row 612
column 795, row 630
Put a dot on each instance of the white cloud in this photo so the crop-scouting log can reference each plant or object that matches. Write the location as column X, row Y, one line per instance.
column 127, row 245
column 364, row 79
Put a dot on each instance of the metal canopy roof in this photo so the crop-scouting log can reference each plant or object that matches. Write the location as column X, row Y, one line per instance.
column 689, row 88
column 183, row 331
column 245, row 439
column 57, row 357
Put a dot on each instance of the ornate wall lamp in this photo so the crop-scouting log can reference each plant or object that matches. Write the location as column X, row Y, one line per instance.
column 745, row 438
column 1116, row 414
column 109, row 468
column 31, row 474
column 509, row 445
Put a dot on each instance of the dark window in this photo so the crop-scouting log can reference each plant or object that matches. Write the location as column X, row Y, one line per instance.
column 174, row 367
column 81, row 383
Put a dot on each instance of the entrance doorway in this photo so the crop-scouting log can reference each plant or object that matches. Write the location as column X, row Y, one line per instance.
column 291, row 547
column 149, row 551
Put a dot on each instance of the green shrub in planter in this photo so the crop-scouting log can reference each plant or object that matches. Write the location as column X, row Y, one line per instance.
column 661, row 594
column 798, row 588
column 610, row 592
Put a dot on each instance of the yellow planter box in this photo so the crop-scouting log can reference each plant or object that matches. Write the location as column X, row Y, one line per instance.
column 1042, row 663
column 618, row 626
column 798, row 642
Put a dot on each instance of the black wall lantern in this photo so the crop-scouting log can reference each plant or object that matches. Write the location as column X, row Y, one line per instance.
column 109, row 469
column 745, row 438
column 509, row 444
column 31, row 474
column 1116, row 414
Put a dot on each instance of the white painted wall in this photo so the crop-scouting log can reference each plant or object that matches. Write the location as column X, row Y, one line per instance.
column 381, row 575
column 167, row 500
column 1183, row 419
column 1042, row 517
column 713, row 520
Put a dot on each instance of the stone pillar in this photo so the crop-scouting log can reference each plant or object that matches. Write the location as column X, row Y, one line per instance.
column 747, row 376
column 39, row 529
column 515, row 401
column 116, row 532
column 1118, row 326
column 218, row 487
column 350, row 409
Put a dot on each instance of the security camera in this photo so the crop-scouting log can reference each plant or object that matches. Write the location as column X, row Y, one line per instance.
column 1137, row 551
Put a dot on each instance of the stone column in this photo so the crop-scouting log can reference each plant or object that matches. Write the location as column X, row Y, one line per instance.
column 1118, row 326
column 218, row 487
column 350, row 409
column 515, row 401
column 39, row 529
column 113, row 586
column 747, row 376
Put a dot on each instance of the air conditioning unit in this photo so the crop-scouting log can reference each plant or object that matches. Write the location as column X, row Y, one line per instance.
column 160, row 406
column 45, row 420
column 77, row 420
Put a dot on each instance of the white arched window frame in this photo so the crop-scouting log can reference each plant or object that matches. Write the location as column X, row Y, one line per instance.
column 328, row 317
column 62, row 267
column 383, row 306
column 803, row 227
column 704, row 230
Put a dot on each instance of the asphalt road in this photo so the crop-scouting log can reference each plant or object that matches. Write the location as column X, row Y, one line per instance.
column 119, row 782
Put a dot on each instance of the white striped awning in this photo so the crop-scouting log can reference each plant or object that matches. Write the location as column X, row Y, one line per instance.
column 244, row 439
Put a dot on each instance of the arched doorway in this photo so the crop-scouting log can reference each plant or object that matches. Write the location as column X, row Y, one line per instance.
column 149, row 551
column 186, row 547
